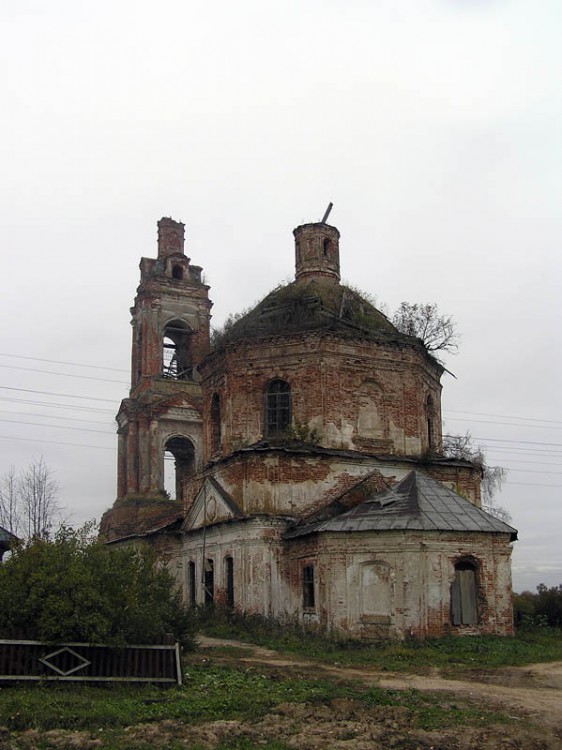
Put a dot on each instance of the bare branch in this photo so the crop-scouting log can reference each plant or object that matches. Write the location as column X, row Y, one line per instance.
column 463, row 447
column 438, row 332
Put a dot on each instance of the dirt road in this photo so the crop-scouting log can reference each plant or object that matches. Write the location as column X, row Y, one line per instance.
column 531, row 696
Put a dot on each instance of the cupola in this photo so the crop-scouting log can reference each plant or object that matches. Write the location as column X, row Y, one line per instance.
column 317, row 251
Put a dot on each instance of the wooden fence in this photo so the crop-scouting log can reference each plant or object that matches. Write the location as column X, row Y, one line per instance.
column 79, row 662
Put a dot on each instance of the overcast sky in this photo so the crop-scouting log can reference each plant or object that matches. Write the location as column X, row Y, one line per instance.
column 435, row 127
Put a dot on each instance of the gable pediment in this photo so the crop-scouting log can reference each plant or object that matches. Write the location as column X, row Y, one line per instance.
column 211, row 505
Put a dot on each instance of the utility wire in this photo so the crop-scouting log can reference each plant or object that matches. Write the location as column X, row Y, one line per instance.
column 55, row 442
column 503, row 440
column 55, row 405
column 60, row 395
column 59, row 362
column 64, row 374
column 508, row 424
column 52, row 416
column 500, row 416
column 56, row 426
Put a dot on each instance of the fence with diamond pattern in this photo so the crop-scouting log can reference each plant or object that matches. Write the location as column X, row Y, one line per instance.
column 80, row 662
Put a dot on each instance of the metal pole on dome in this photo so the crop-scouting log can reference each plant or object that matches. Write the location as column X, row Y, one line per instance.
column 327, row 213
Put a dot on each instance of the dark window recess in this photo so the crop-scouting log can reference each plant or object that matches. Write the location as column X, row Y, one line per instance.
column 176, row 351
column 192, row 582
column 229, row 571
column 308, row 587
column 327, row 247
column 215, row 424
column 464, row 599
column 177, row 272
column 430, row 414
column 209, row 582
column 277, row 408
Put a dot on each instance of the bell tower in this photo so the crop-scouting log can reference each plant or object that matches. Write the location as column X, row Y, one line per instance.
column 159, row 424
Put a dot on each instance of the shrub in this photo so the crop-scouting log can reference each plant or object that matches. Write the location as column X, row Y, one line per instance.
column 74, row 588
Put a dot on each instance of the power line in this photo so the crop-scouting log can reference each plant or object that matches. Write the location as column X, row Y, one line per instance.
column 55, row 442
column 507, row 424
column 59, row 362
column 47, row 416
column 532, row 484
column 55, row 405
column 503, row 440
column 501, row 416
column 56, row 426
column 60, row 395
column 64, row 374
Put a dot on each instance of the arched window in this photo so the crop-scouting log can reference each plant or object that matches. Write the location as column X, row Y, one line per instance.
column 464, row 598
column 192, row 583
column 277, row 408
column 215, row 424
column 308, row 600
column 177, row 272
column 176, row 351
column 209, row 582
column 179, row 465
column 327, row 247
column 229, row 576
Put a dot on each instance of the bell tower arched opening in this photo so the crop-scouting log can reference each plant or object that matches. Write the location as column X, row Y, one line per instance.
column 177, row 362
column 179, row 465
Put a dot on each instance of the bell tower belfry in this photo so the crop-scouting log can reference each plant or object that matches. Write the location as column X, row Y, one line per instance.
column 162, row 415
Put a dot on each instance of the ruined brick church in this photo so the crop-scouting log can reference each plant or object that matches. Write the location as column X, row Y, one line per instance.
column 306, row 439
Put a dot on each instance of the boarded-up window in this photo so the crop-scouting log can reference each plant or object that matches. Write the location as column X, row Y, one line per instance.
column 464, row 600
column 308, row 587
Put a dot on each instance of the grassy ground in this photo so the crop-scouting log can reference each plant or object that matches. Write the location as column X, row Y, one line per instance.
column 212, row 692
column 450, row 655
column 217, row 689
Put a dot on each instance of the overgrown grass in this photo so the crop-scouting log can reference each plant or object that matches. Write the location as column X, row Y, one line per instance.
column 211, row 692
column 450, row 654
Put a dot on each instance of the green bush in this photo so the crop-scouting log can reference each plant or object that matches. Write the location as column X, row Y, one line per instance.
column 74, row 588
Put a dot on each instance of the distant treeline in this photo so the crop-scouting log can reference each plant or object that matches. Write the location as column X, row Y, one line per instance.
column 543, row 609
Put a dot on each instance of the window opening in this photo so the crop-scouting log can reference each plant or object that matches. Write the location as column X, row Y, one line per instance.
column 215, row 424
column 277, row 408
column 229, row 570
column 464, row 600
column 308, row 587
column 327, row 246
column 430, row 421
column 209, row 582
column 177, row 272
column 179, row 465
column 176, row 352
column 192, row 583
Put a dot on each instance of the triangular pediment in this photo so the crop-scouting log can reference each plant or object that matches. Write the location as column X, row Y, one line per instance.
column 211, row 505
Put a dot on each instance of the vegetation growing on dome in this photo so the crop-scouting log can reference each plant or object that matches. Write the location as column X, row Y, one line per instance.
column 307, row 305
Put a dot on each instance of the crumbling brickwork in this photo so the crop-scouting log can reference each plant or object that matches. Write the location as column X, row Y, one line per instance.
column 311, row 409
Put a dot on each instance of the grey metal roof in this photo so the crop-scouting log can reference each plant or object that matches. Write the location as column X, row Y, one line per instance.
column 6, row 537
column 416, row 503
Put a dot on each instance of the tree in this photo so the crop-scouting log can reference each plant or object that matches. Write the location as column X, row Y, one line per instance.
column 438, row 332
column 463, row 447
column 38, row 492
column 538, row 610
column 74, row 588
column 29, row 501
column 10, row 509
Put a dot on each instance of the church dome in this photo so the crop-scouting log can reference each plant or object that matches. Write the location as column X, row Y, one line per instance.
column 315, row 301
